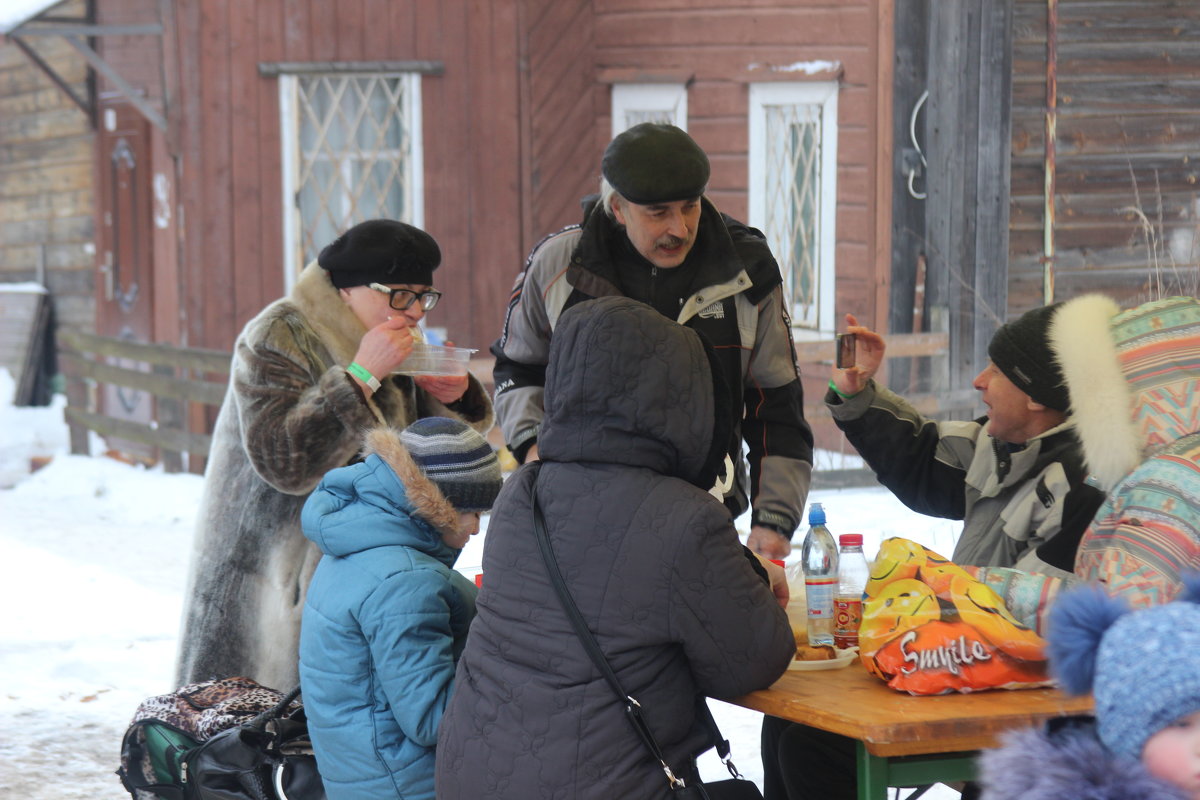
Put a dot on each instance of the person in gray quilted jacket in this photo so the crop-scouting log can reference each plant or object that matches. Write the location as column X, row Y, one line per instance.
column 633, row 439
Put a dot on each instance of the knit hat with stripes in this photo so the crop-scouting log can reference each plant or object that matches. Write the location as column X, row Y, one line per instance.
column 457, row 459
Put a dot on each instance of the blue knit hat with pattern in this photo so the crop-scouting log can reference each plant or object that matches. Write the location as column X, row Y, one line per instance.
column 457, row 459
column 1141, row 666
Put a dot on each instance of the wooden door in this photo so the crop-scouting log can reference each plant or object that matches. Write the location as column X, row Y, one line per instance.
column 125, row 248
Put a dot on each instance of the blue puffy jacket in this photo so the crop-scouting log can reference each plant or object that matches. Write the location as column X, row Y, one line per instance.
column 385, row 620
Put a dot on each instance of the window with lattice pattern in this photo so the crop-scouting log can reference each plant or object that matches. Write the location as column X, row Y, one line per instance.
column 635, row 103
column 793, row 191
column 352, row 152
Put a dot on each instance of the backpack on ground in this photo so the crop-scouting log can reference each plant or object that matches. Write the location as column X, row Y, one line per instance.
column 227, row 739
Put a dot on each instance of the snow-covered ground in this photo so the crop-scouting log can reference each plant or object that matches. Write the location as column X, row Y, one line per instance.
column 94, row 554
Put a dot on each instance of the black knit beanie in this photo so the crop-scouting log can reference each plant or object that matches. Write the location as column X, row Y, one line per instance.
column 457, row 459
column 381, row 251
column 1021, row 350
column 655, row 163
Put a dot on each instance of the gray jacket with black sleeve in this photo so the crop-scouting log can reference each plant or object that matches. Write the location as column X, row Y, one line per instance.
column 1011, row 501
column 728, row 290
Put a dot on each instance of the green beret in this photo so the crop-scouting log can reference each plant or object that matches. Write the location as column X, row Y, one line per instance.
column 655, row 163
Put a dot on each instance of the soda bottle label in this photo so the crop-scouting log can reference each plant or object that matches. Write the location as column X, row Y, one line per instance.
column 847, row 616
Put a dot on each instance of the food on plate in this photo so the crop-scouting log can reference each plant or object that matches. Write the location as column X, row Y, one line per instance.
column 821, row 652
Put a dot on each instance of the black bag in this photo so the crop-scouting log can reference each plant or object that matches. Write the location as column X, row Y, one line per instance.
column 227, row 739
column 735, row 788
column 268, row 758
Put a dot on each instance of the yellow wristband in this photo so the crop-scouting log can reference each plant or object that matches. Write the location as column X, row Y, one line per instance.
column 360, row 372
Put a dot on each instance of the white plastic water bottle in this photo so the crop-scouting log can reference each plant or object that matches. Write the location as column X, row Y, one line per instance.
column 819, row 555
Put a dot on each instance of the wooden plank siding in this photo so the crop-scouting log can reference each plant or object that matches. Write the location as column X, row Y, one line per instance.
column 46, row 194
column 1127, row 144
column 228, row 147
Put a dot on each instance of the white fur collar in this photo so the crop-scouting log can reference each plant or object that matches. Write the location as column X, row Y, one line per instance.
column 1101, row 401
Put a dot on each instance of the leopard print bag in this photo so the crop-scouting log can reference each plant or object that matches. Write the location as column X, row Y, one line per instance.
column 167, row 727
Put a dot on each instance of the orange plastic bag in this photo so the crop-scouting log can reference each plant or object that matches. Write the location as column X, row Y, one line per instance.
column 929, row 627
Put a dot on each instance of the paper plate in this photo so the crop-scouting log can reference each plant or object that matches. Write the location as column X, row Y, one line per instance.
column 843, row 658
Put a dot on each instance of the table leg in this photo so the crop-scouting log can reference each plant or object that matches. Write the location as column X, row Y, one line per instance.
column 872, row 775
column 876, row 773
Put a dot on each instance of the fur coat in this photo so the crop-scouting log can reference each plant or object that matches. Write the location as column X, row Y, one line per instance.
column 1067, row 764
column 290, row 415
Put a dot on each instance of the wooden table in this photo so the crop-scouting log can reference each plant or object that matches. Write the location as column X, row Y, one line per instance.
column 905, row 740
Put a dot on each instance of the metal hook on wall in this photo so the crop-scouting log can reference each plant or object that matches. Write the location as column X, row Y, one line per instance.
column 912, row 155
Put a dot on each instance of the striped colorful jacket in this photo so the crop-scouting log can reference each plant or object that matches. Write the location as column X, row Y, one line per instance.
column 1136, row 402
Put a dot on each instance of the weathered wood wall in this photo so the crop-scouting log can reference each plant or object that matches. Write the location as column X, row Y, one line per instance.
column 1126, row 150
column 46, row 196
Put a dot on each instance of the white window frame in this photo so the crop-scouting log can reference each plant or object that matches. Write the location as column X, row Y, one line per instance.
column 289, row 113
column 824, row 96
column 668, row 98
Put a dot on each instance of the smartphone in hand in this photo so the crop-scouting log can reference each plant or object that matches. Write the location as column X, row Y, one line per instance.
column 847, row 350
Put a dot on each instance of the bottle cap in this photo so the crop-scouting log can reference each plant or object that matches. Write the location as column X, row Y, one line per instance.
column 816, row 514
column 850, row 540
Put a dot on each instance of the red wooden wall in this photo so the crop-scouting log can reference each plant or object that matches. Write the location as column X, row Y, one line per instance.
column 513, row 127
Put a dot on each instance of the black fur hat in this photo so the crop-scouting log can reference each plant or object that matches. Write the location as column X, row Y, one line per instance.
column 381, row 251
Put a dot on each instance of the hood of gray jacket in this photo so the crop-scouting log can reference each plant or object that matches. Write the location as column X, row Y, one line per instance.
column 626, row 417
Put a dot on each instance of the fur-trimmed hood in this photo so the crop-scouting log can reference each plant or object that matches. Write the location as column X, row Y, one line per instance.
column 1133, row 376
column 369, row 504
column 1070, row 764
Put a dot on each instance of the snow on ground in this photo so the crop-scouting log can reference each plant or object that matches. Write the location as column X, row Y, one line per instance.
column 94, row 560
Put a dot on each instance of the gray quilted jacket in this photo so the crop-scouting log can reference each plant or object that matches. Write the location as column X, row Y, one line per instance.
column 652, row 560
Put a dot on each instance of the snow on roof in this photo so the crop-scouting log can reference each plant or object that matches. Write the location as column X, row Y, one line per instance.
column 14, row 13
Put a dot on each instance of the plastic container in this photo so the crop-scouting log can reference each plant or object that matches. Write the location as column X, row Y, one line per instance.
column 819, row 560
column 434, row 359
column 852, row 581
column 797, row 607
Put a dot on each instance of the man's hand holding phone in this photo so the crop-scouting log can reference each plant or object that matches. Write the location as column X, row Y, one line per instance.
column 860, row 353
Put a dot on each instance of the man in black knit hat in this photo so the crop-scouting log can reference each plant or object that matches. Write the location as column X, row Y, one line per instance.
column 653, row 236
column 1016, row 478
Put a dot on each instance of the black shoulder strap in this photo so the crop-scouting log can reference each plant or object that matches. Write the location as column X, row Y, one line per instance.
column 633, row 710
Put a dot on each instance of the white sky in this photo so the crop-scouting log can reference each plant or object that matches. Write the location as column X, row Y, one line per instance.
column 93, row 557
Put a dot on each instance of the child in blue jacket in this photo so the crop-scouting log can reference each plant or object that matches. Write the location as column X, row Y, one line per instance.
column 1144, row 742
column 386, row 615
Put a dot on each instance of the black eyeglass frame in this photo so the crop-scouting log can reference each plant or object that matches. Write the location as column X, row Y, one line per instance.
column 429, row 298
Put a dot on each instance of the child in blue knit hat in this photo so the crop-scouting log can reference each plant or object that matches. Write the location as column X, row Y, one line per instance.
column 1143, row 668
column 386, row 615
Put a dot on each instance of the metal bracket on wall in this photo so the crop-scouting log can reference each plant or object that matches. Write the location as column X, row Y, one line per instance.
column 74, row 31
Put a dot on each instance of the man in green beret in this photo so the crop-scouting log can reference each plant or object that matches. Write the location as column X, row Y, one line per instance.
column 653, row 236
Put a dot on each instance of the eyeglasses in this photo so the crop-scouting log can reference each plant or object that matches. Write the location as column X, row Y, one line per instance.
column 401, row 299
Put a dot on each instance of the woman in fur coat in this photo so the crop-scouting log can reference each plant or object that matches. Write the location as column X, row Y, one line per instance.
column 309, row 375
